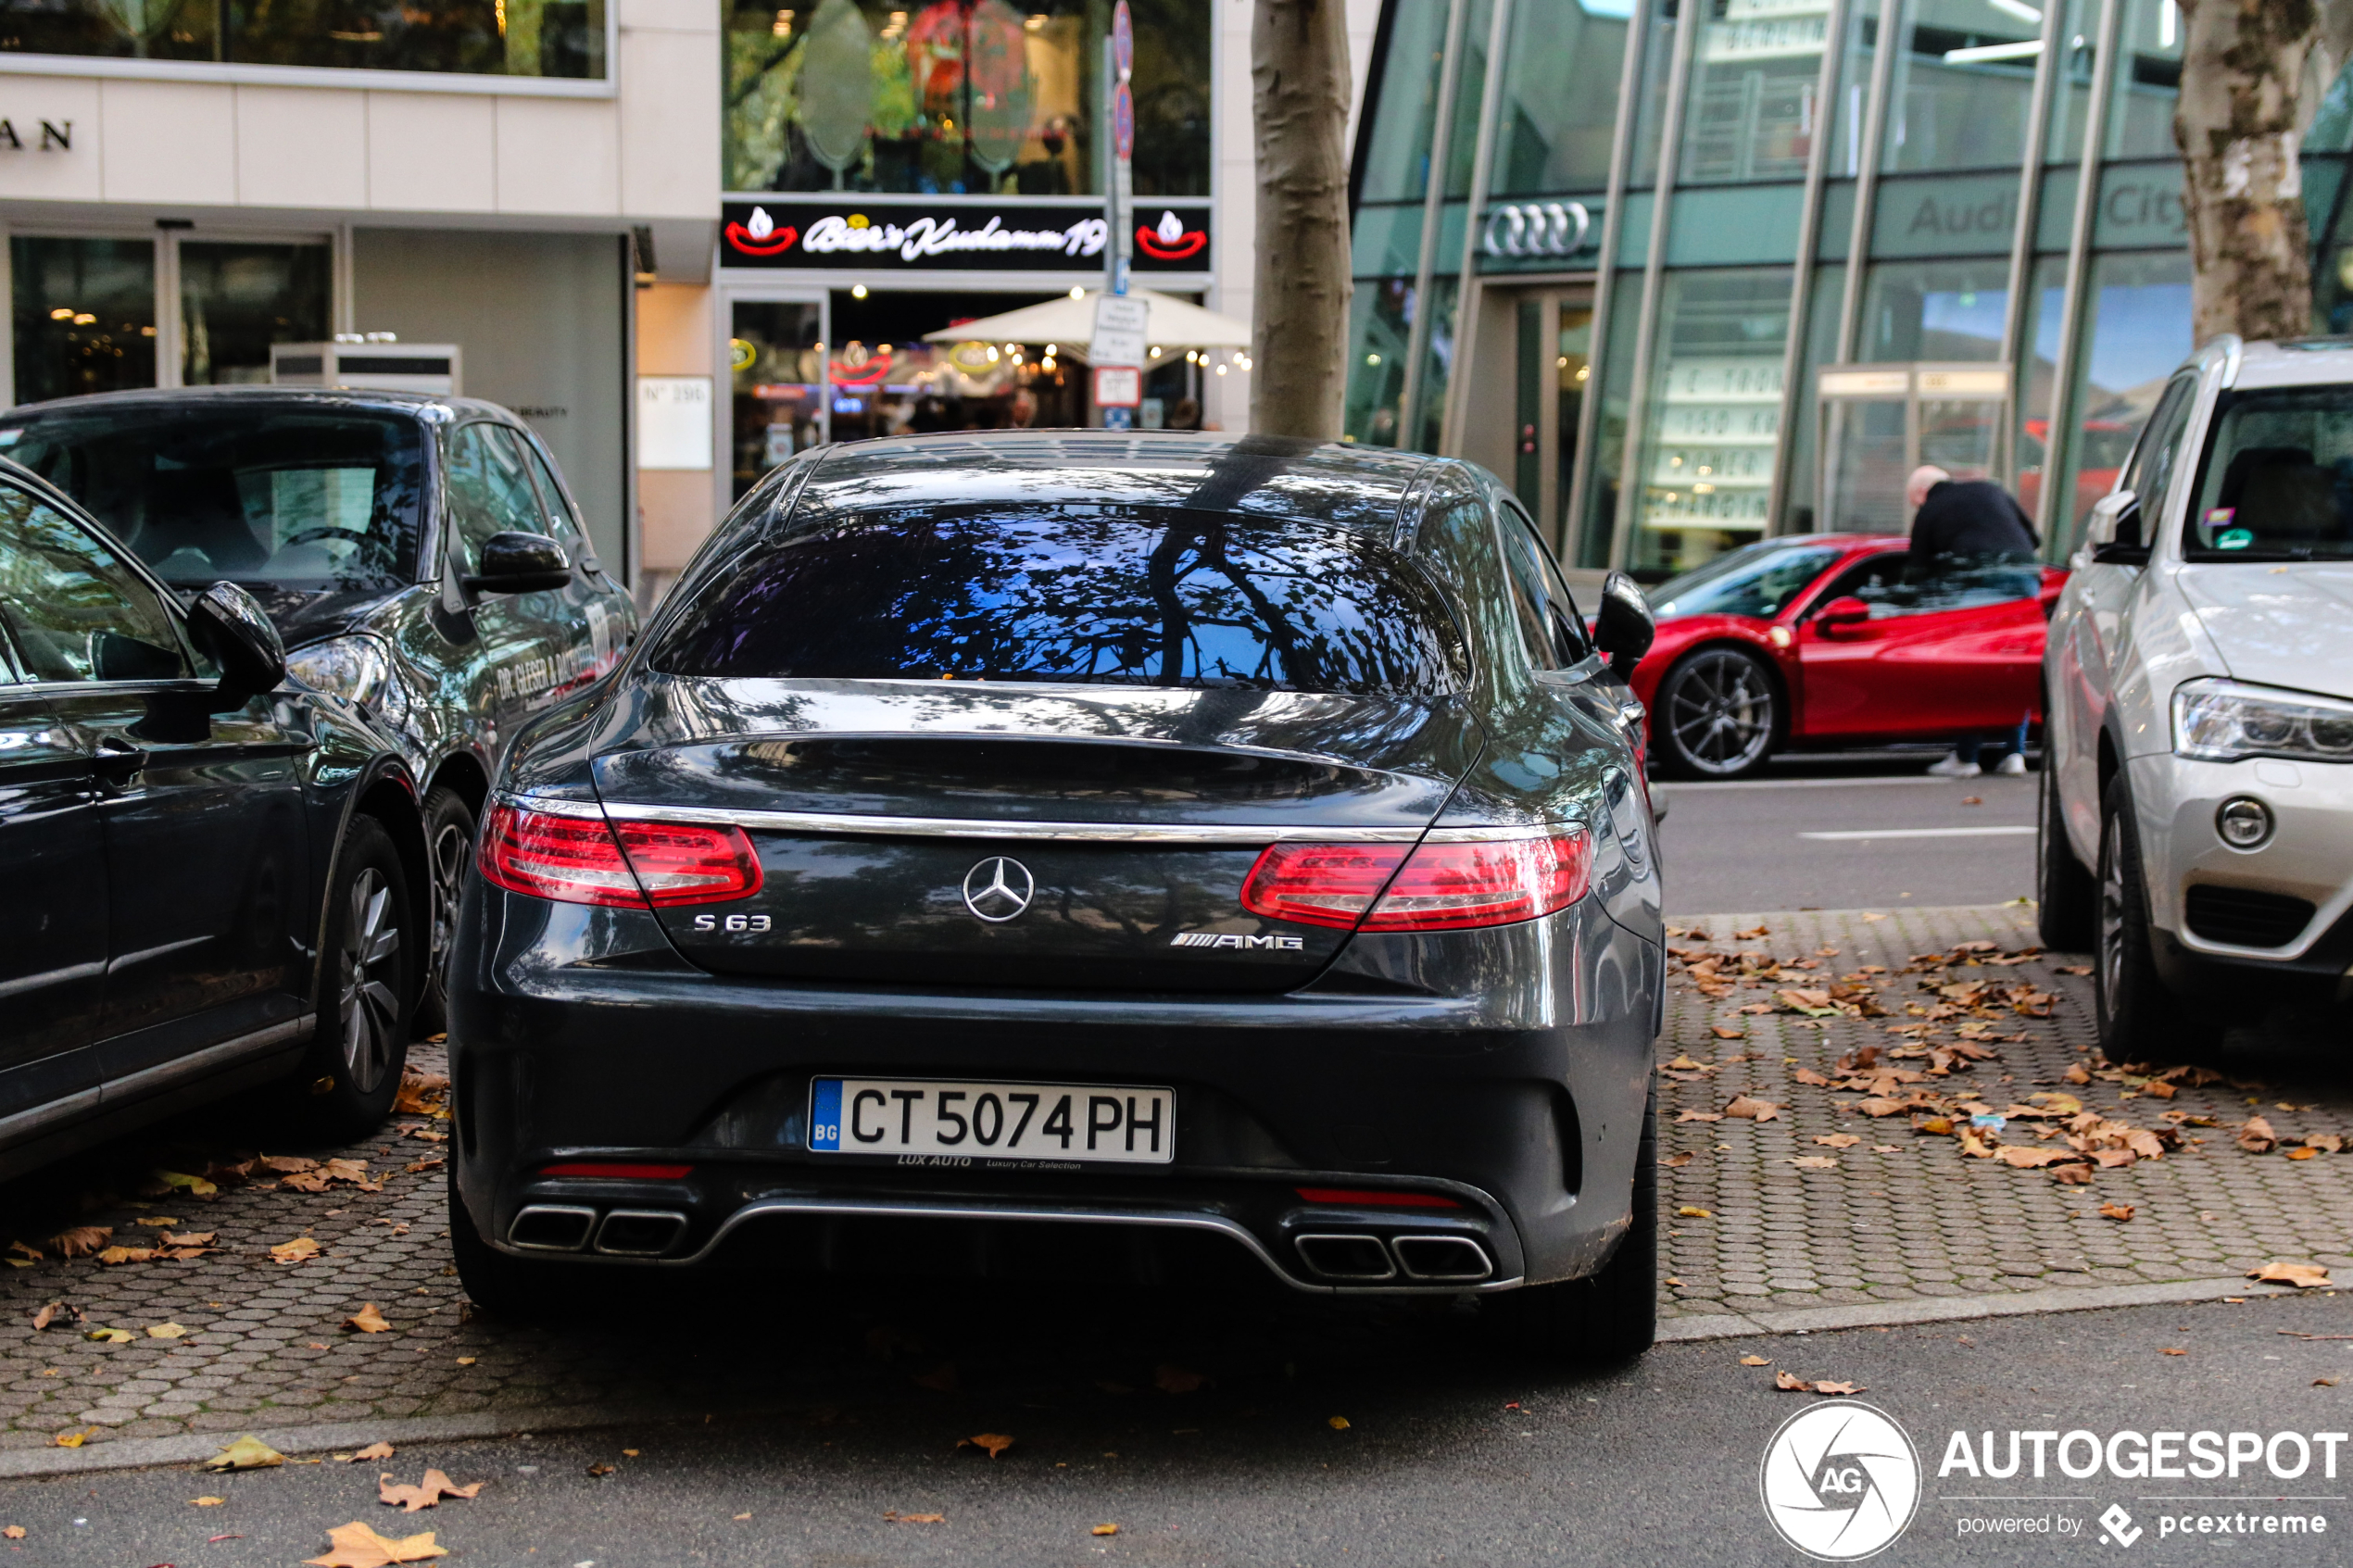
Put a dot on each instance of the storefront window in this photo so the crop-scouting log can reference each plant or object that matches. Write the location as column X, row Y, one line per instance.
column 778, row 383
column 84, row 316
column 1380, row 321
column 1715, row 416
column 1470, row 96
column 2072, row 82
column 1934, row 311
column 235, row 300
column 960, row 96
column 1848, row 100
column 1752, row 112
column 2148, row 79
column 1405, row 104
column 1801, row 507
column 1606, row 464
column 2137, row 334
column 1658, row 60
column 1560, row 97
column 888, row 380
column 1962, row 84
column 545, row 38
column 1438, row 364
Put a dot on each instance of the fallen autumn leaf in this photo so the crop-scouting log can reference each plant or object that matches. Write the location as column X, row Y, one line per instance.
column 2304, row 1276
column 356, row 1546
column 367, row 1319
column 247, row 1452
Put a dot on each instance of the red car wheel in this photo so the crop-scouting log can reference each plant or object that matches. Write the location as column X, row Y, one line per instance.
column 1717, row 715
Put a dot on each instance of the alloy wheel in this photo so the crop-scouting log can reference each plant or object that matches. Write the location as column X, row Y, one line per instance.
column 369, row 1007
column 1720, row 712
column 2111, row 957
column 451, row 848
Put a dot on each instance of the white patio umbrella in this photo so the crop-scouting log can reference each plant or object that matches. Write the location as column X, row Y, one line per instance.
column 1171, row 326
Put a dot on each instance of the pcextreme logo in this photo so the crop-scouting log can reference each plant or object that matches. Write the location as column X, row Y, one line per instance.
column 1840, row 1481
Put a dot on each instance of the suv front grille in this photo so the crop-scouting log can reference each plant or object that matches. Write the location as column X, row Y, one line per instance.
column 2244, row 917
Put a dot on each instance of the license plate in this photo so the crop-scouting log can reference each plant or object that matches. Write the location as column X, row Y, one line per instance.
column 1100, row 1122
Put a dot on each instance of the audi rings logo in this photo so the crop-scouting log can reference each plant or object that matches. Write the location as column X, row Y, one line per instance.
column 1841, row 1481
column 1537, row 229
column 998, row 889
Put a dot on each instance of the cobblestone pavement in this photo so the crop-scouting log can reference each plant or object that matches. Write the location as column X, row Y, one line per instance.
column 1902, row 1215
column 250, row 1341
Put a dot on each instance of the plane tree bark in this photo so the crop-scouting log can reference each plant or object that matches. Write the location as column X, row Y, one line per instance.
column 1299, row 94
column 2253, row 72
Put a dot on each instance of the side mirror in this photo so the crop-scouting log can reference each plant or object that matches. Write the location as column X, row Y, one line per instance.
column 2113, row 530
column 1624, row 629
column 519, row 563
column 1841, row 613
column 231, row 625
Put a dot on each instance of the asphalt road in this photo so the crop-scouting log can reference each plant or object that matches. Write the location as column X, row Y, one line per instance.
column 1451, row 1452
column 1827, row 835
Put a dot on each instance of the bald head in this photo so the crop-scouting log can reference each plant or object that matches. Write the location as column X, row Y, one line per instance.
column 1924, row 478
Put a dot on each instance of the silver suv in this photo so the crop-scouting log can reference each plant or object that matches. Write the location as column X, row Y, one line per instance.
column 2198, row 792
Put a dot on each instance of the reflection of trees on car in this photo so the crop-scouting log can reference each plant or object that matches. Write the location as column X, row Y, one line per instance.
column 1139, row 596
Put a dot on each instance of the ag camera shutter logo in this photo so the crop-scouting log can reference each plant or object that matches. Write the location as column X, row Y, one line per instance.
column 1841, row 1481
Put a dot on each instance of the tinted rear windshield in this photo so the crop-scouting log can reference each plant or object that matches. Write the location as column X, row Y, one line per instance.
column 1139, row 597
column 302, row 497
column 2278, row 479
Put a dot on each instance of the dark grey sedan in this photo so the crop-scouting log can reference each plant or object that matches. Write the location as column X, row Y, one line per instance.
column 419, row 556
column 1083, row 855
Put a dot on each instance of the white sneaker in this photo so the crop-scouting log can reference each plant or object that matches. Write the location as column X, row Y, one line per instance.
column 2012, row 767
column 1953, row 768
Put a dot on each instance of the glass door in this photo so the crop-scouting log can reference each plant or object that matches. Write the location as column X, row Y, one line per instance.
column 1556, row 344
column 1881, row 422
column 777, row 365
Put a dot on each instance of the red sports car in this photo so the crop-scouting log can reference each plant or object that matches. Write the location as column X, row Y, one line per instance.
column 1835, row 640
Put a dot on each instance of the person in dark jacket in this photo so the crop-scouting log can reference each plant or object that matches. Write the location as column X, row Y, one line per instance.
column 1974, row 518
column 1972, row 528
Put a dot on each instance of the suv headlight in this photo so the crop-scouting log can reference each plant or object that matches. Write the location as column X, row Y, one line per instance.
column 2223, row 720
column 356, row 669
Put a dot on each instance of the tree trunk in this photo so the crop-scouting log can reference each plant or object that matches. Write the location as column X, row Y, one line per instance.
column 1299, row 94
column 2244, row 80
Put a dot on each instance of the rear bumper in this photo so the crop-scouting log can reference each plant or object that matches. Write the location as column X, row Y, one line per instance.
column 577, row 1036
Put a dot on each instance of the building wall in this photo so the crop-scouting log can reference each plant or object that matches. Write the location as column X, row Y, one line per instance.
column 171, row 139
column 543, row 320
column 677, row 334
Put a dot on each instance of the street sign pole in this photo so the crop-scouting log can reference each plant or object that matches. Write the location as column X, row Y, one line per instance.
column 1119, row 393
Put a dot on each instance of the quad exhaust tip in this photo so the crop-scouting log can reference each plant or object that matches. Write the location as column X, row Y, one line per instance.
column 1365, row 1260
column 640, row 1232
column 1446, row 1258
column 623, row 1233
column 552, row 1227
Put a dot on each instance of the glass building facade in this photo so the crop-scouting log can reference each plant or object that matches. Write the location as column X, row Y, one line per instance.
column 1689, row 273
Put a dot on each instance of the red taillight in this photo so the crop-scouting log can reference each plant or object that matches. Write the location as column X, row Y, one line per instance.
column 627, row 1172
column 1351, row 1198
column 681, row 863
column 586, row 860
column 1320, row 884
column 1439, row 886
column 1448, row 886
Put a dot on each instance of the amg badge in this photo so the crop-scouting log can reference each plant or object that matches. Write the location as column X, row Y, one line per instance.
column 1229, row 939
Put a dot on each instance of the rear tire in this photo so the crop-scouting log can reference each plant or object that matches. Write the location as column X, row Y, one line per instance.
column 450, row 847
column 2067, row 898
column 2140, row 1018
column 1611, row 1315
column 519, row 1290
column 367, row 988
column 1716, row 715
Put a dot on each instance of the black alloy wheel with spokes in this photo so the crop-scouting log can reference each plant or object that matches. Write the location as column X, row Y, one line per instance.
column 367, row 991
column 450, row 847
column 1717, row 714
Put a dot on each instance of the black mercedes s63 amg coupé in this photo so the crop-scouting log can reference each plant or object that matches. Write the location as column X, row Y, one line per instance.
column 1083, row 854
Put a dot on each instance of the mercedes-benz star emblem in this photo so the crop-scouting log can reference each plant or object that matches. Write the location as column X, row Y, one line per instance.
column 998, row 889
